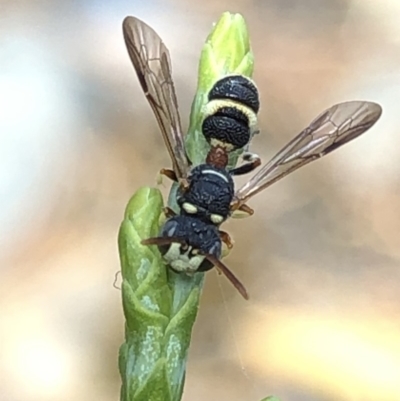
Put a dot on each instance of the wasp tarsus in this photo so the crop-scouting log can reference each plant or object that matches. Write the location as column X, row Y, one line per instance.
column 226, row 239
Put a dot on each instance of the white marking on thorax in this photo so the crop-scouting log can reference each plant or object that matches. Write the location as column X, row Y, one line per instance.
column 217, row 173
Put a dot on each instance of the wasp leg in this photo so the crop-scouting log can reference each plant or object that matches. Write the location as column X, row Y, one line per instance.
column 253, row 160
column 183, row 182
column 165, row 215
column 169, row 173
column 242, row 211
column 250, row 156
column 226, row 239
column 168, row 212
column 246, row 209
column 227, row 243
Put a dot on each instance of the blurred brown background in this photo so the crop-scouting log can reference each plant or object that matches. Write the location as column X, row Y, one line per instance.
column 320, row 259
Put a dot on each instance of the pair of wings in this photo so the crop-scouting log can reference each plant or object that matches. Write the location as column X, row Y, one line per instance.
column 331, row 129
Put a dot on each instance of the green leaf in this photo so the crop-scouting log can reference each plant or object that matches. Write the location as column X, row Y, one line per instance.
column 146, row 299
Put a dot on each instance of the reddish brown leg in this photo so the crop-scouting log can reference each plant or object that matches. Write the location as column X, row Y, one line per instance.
column 168, row 212
column 226, row 239
column 183, row 182
column 246, row 209
column 240, row 210
column 169, row 173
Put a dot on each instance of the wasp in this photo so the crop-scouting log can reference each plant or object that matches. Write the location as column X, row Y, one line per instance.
column 191, row 241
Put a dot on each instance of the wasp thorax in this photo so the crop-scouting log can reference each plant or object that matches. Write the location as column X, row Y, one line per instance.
column 209, row 195
column 195, row 239
column 231, row 113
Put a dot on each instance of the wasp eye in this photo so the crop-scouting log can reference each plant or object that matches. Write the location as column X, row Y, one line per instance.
column 216, row 218
column 189, row 208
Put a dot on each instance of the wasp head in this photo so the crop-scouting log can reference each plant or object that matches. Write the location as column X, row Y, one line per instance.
column 192, row 240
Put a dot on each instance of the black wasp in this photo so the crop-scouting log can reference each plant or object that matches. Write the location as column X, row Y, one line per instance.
column 191, row 241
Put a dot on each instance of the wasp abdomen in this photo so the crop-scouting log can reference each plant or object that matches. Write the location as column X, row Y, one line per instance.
column 231, row 113
column 228, row 127
column 237, row 88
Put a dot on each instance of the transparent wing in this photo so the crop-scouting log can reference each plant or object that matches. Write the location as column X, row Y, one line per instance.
column 152, row 64
column 333, row 128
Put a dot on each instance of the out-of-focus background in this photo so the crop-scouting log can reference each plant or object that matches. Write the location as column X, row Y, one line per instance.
column 321, row 259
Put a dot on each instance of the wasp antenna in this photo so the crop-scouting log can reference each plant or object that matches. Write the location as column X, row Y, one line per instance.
column 159, row 241
column 229, row 275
